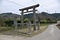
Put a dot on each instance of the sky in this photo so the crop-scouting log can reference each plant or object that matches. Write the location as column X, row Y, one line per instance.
column 13, row 6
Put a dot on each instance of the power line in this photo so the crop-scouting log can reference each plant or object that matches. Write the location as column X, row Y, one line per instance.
column 23, row 6
column 33, row 1
column 14, row 3
column 43, row 8
column 40, row 6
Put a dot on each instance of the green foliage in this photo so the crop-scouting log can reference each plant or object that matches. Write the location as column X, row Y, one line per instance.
column 18, row 21
column 48, row 21
column 2, row 29
column 9, row 23
column 31, row 20
column 2, row 21
column 25, row 20
column 43, row 21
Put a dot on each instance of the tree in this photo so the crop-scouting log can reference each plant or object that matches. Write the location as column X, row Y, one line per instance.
column 25, row 20
column 2, row 22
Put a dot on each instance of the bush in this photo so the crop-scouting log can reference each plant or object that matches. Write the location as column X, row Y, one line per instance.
column 25, row 20
column 18, row 21
column 9, row 23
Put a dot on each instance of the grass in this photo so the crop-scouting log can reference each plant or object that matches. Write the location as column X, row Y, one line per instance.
column 58, row 25
column 22, row 32
column 2, row 29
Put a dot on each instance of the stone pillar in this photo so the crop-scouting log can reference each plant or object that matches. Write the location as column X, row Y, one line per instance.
column 34, row 18
column 15, row 24
column 22, row 19
column 38, row 25
column 29, row 28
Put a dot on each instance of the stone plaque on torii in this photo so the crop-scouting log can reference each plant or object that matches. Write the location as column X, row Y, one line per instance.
column 26, row 10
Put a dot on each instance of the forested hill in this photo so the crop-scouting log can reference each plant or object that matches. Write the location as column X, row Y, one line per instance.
column 9, row 15
column 45, row 15
column 42, row 15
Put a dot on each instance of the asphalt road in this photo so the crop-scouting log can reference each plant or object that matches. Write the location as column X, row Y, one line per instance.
column 51, row 33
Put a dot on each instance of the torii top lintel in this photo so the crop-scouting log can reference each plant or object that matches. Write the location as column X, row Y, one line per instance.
column 26, row 8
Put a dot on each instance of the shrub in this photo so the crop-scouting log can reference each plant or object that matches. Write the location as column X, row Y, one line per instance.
column 9, row 23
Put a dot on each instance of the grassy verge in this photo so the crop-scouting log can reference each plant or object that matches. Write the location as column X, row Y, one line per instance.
column 22, row 32
column 58, row 25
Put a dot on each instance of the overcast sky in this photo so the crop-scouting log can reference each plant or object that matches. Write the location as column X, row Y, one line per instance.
column 49, row 6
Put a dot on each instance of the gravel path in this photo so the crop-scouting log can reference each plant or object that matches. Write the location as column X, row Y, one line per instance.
column 51, row 33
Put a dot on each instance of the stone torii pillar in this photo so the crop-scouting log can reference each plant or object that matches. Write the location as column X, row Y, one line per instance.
column 15, row 23
column 22, row 18
column 27, row 10
column 34, row 17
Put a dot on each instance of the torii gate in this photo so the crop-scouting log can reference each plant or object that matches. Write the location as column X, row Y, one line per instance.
column 27, row 10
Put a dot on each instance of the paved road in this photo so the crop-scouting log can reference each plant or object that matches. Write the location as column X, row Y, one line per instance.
column 51, row 33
